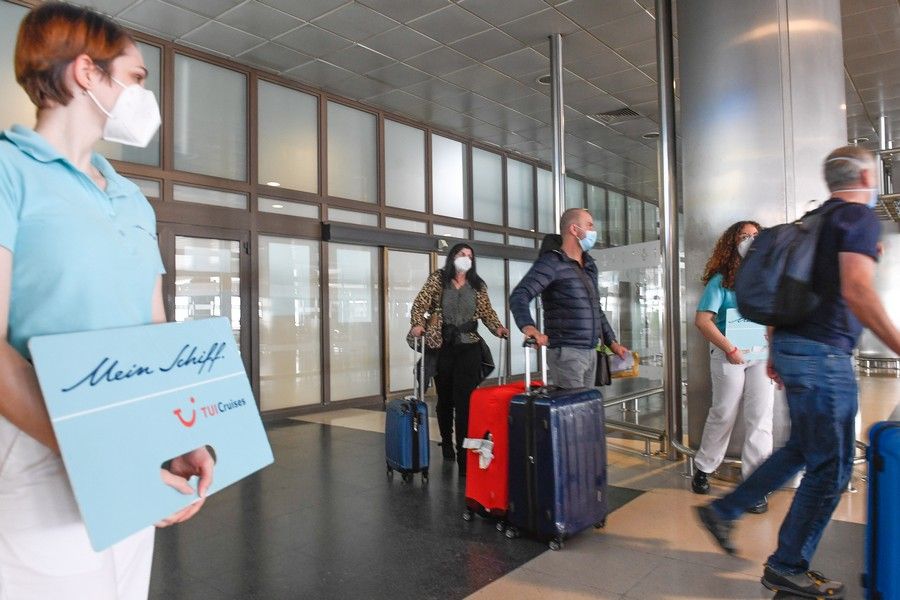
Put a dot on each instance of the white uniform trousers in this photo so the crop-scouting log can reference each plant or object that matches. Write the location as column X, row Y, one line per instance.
column 734, row 387
column 45, row 553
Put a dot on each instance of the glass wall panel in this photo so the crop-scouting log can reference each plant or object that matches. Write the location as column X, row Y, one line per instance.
column 596, row 205
column 517, row 270
column 635, row 221
column 210, row 119
column 616, row 207
column 404, row 166
column 287, row 138
column 520, row 194
column 150, row 154
column 407, row 272
column 574, row 193
column 352, row 156
column 289, row 323
column 285, row 207
column 197, row 195
column 487, row 186
column 488, row 236
column 354, row 339
column 491, row 271
column 406, row 225
column 353, row 217
column 208, row 280
column 445, row 230
column 546, row 218
column 448, row 177
column 651, row 222
column 15, row 107
column 525, row 242
column 150, row 188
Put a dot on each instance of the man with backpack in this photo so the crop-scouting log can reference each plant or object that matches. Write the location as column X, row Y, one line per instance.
column 812, row 358
column 566, row 279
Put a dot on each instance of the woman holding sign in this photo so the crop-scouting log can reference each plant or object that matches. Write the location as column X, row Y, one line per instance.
column 78, row 252
column 736, row 381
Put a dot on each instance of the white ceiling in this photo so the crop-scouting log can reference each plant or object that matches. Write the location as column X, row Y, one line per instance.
column 470, row 66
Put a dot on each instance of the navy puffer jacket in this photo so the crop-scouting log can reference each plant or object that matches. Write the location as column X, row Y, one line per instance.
column 572, row 313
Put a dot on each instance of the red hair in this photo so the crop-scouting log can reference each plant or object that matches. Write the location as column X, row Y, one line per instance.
column 54, row 34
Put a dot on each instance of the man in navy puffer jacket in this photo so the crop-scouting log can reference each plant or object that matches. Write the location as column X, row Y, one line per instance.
column 566, row 279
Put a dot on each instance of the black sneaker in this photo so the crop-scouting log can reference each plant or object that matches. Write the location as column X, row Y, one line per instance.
column 811, row 584
column 717, row 526
column 759, row 508
column 700, row 482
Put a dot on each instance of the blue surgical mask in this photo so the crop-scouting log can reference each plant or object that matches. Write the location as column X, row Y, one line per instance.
column 589, row 239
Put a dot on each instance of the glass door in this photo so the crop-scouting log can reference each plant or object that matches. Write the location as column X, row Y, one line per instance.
column 406, row 274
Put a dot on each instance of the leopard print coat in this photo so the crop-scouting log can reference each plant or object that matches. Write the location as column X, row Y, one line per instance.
column 430, row 297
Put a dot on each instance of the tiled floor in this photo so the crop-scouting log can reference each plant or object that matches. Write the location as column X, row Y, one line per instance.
column 323, row 522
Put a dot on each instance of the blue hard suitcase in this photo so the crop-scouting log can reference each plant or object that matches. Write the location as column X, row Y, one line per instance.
column 557, row 463
column 406, row 439
column 882, row 577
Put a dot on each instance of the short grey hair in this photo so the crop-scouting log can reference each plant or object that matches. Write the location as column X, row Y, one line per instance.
column 569, row 217
column 844, row 165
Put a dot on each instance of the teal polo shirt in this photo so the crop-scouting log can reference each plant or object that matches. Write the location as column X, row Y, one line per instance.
column 717, row 299
column 83, row 258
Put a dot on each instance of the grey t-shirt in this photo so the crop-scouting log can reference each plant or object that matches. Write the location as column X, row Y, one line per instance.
column 458, row 306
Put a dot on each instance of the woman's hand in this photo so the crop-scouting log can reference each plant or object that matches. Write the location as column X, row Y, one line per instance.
column 735, row 357
column 502, row 332
column 196, row 462
column 417, row 331
column 773, row 374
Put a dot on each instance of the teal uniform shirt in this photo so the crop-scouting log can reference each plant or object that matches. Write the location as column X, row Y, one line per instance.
column 717, row 299
column 83, row 258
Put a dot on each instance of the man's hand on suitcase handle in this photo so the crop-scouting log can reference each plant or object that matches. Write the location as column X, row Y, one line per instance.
column 535, row 337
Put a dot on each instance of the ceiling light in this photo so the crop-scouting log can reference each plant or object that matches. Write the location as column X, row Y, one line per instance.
column 651, row 135
column 278, row 206
column 273, row 183
column 859, row 140
column 545, row 79
column 843, row 107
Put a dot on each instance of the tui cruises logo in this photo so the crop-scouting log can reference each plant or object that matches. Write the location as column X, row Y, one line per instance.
column 207, row 411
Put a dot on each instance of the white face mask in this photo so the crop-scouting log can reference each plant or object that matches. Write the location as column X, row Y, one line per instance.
column 134, row 118
column 744, row 245
column 462, row 263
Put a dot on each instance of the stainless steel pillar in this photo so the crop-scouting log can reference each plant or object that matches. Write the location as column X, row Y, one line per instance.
column 558, row 109
column 668, row 212
column 762, row 104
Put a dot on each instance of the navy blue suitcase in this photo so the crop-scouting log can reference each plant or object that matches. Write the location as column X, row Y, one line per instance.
column 557, row 464
column 406, row 439
column 882, row 577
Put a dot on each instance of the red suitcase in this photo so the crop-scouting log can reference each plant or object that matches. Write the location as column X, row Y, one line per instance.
column 487, row 490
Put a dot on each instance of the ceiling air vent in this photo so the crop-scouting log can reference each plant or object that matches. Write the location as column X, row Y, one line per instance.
column 619, row 115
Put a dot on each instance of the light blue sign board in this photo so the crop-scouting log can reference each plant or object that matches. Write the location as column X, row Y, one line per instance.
column 123, row 401
column 750, row 337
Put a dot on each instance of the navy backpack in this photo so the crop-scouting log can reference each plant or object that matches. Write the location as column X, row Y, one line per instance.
column 773, row 285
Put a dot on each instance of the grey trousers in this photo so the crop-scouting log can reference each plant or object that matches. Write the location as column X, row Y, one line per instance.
column 571, row 368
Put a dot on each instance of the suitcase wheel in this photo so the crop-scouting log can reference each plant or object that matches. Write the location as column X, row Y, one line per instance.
column 511, row 533
column 390, row 473
column 407, row 477
column 500, row 526
column 600, row 525
column 468, row 515
column 556, row 545
column 425, row 477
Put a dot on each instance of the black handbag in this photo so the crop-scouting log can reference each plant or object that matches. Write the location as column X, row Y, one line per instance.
column 603, row 375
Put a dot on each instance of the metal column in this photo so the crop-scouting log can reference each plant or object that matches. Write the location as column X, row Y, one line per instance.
column 557, row 106
column 668, row 209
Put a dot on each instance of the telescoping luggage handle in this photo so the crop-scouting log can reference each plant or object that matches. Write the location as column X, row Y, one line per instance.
column 419, row 349
column 531, row 342
column 501, row 363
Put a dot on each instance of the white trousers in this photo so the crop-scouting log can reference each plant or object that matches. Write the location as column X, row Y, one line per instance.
column 734, row 387
column 44, row 548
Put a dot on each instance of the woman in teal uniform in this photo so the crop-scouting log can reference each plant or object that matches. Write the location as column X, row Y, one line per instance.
column 78, row 252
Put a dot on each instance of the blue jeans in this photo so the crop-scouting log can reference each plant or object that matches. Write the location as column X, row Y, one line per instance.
column 822, row 399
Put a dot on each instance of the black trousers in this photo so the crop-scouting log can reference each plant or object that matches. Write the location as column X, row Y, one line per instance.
column 458, row 373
